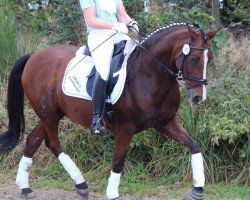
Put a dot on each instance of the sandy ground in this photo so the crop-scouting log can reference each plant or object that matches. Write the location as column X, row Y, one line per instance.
column 13, row 193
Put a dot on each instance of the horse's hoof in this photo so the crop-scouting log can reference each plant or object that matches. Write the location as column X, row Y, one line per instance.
column 82, row 189
column 194, row 194
column 27, row 193
column 83, row 192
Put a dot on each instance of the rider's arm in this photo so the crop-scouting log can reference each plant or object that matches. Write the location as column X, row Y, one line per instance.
column 94, row 22
column 122, row 15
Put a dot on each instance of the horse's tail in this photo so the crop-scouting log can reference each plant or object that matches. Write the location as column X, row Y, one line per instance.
column 15, row 107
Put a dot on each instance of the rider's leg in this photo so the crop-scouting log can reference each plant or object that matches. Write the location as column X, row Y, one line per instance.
column 98, row 101
column 102, row 55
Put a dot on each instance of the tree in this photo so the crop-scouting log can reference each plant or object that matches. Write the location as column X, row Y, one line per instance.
column 215, row 5
column 236, row 11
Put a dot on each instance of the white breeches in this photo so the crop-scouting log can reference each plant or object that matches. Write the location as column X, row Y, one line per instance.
column 102, row 52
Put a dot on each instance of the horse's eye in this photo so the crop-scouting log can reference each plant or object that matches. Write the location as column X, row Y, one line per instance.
column 194, row 60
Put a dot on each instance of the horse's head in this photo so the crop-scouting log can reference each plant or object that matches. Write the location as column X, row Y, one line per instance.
column 192, row 61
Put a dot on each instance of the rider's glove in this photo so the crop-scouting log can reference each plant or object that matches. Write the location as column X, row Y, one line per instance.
column 120, row 27
column 133, row 26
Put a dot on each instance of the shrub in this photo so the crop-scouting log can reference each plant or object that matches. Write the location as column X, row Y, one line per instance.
column 162, row 13
column 8, row 35
column 67, row 24
column 236, row 11
column 15, row 40
column 221, row 123
column 230, row 92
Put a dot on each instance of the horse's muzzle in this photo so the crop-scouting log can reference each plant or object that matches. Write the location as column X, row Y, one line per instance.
column 194, row 98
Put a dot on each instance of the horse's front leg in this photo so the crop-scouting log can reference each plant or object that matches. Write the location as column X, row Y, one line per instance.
column 122, row 141
column 175, row 131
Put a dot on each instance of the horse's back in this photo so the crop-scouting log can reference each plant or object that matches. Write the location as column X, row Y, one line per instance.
column 44, row 71
column 48, row 62
column 51, row 55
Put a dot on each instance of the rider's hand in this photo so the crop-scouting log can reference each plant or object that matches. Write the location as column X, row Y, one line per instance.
column 133, row 26
column 120, row 27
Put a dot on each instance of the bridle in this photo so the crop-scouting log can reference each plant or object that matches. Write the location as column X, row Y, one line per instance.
column 185, row 52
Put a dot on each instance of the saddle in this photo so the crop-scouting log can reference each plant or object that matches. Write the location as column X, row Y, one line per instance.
column 116, row 64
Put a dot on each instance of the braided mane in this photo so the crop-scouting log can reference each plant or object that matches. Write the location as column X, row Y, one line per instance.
column 165, row 28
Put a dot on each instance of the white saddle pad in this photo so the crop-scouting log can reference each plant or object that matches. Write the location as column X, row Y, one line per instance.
column 75, row 77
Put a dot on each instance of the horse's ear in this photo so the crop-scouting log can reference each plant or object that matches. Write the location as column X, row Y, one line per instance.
column 212, row 33
column 193, row 34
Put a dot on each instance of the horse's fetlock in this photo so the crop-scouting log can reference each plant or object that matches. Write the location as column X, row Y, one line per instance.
column 195, row 148
column 118, row 166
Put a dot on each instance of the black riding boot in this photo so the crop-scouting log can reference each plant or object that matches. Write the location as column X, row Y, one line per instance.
column 98, row 99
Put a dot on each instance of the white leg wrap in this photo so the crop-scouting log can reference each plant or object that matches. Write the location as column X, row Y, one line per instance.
column 22, row 178
column 71, row 168
column 198, row 170
column 113, row 185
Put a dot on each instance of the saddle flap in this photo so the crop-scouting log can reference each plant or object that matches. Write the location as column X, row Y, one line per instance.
column 81, row 66
column 115, row 66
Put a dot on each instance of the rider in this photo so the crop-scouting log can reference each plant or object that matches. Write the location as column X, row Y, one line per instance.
column 107, row 22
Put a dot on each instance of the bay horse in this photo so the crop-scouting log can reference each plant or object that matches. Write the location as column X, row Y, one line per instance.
column 150, row 99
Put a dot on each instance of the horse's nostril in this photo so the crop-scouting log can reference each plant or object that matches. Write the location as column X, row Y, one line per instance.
column 196, row 99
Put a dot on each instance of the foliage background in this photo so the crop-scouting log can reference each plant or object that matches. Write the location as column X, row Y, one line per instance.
column 220, row 125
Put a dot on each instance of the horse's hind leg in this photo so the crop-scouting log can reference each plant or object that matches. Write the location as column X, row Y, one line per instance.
column 175, row 130
column 33, row 142
column 52, row 142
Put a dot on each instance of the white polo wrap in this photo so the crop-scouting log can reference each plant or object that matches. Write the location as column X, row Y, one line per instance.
column 113, row 185
column 71, row 168
column 198, row 170
column 22, row 178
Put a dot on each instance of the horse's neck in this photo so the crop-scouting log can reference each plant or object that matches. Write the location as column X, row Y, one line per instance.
column 166, row 47
column 147, row 75
column 151, row 74
column 164, row 53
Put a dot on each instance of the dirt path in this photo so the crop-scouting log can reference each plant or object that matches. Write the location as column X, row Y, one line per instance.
column 13, row 193
column 9, row 191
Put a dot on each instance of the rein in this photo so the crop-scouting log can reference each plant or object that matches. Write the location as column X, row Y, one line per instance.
column 167, row 68
column 179, row 75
